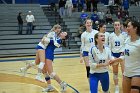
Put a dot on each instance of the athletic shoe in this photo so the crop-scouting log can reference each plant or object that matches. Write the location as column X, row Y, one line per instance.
column 39, row 78
column 63, row 86
column 48, row 89
column 117, row 89
column 23, row 70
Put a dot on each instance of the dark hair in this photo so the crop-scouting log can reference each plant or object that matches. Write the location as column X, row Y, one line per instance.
column 100, row 26
column 126, row 23
column 136, row 24
column 19, row 13
column 64, row 40
column 96, row 37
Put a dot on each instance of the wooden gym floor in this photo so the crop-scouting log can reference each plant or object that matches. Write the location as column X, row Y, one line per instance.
column 67, row 67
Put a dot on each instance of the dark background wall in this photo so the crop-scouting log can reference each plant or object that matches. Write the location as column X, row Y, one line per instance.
column 42, row 2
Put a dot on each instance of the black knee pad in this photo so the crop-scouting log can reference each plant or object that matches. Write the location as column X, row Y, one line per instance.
column 136, row 87
column 88, row 70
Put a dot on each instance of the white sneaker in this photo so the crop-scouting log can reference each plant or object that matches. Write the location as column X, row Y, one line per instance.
column 117, row 89
column 39, row 78
column 63, row 86
column 48, row 89
column 23, row 70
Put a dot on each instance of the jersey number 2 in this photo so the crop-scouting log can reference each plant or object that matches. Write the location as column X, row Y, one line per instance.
column 101, row 61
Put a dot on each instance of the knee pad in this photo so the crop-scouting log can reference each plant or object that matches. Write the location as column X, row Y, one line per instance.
column 41, row 65
column 88, row 70
column 115, row 76
column 47, row 77
column 52, row 75
column 136, row 87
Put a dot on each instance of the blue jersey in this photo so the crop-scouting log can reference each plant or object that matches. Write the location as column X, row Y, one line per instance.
column 83, row 16
column 94, row 17
column 49, row 52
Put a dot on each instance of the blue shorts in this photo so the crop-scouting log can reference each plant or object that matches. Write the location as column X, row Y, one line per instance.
column 49, row 54
column 95, row 78
column 85, row 53
column 39, row 47
column 116, row 54
column 133, row 76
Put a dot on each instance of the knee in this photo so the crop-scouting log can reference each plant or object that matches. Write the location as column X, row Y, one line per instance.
column 115, row 76
column 52, row 75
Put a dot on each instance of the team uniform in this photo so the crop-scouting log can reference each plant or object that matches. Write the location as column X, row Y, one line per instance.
column 100, row 73
column 49, row 51
column 132, row 58
column 87, row 39
column 50, row 35
column 116, row 43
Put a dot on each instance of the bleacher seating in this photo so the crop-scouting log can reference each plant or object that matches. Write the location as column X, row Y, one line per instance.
column 135, row 11
column 16, row 45
column 12, row 44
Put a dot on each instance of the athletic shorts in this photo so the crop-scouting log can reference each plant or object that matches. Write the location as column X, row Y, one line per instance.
column 85, row 53
column 39, row 47
column 133, row 76
column 116, row 54
column 49, row 54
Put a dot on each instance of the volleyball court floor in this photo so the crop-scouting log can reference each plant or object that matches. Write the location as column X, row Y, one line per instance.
column 68, row 67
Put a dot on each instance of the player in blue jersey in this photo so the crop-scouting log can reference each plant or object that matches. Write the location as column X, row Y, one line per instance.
column 99, row 61
column 40, row 51
column 49, row 61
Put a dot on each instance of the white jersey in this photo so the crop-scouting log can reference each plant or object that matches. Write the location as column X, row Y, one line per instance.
column 87, row 39
column 47, row 41
column 132, row 58
column 106, row 38
column 97, row 57
column 116, row 43
column 50, row 35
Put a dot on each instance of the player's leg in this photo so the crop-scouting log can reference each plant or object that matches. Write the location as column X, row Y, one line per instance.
column 54, row 76
column 49, row 87
column 41, row 55
column 24, row 69
column 104, row 79
column 86, row 60
column 115, row 77
column 126, row 84
column 115, row 72
column 122, row 66
column 94, row 83
column 135, row 84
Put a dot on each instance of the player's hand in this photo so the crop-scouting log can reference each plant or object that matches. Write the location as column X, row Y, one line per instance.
column 57, row 45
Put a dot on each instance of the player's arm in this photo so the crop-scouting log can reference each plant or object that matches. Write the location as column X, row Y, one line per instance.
column 92, row 61
column 120, row 59
column 55, row 41
column 83, row 42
